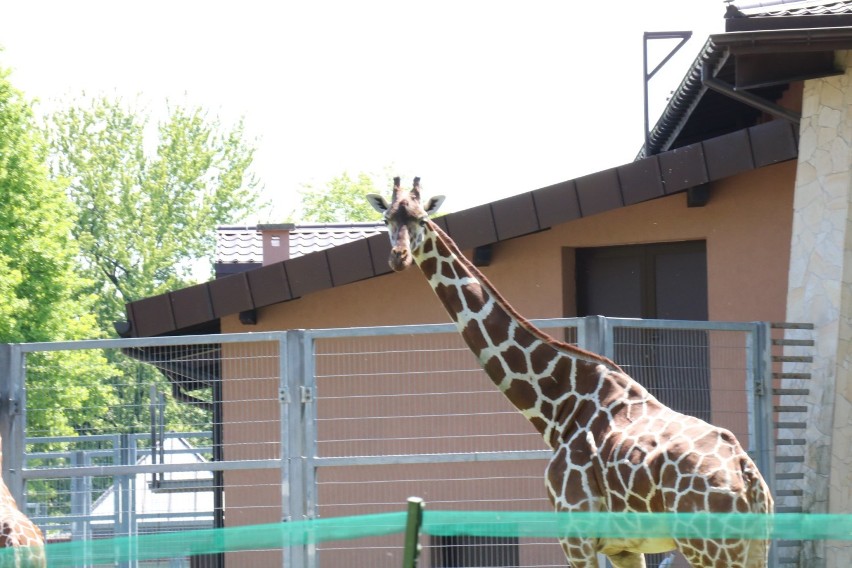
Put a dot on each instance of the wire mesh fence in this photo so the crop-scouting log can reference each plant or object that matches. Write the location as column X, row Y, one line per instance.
column 136, row 437
column 384, row 401
column 172, row 434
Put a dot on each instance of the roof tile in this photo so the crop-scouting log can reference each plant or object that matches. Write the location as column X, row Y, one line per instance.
column 472, row 227
column 349, row 262
column 557, row 203
column 308, row 273
column 641, row 180
column 380, row 249
column 269, row 285
column 683, row 168
column 152, row 316
column 728, row 154
column 803, row 8
column 191, row 306
column 515, row 216
column 599, row 192
column 238, row 244
column 773, row 142
column 230, row 294
column 245, row 244
column 305, row 239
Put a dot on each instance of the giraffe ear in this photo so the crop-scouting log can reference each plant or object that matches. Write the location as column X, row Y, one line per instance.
column 434, row 204
column 378, row 202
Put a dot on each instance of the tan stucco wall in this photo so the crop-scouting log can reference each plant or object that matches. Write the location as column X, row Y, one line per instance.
column 746, row 226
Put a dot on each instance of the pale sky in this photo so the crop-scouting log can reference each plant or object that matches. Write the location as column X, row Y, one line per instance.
column 482, row 99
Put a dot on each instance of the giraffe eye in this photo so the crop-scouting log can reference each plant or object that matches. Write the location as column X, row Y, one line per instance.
column 422, row 221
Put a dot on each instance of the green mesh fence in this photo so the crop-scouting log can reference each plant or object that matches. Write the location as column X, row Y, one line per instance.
column 451, row 523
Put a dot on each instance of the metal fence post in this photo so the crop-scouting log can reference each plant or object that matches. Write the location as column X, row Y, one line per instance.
column 284, row 399
column 759, row 388
column 414, row 520
column 309, row 437
column 80, row 499
column 124, row 495
column 592, row 335
column 12, row 419
column 294, row 391
column 759, row 354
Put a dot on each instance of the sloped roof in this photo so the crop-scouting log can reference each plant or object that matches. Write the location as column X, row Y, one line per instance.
column 309, row 238
column 198, row 308
column 793, row 8
column 244, row 244
column 787, row 14
column 767, row 47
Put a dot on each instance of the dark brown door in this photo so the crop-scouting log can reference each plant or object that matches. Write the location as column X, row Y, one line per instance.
column 654, row 281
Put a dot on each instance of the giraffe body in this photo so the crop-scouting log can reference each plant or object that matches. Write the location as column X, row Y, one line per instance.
column 19, row 532
column 615, row 447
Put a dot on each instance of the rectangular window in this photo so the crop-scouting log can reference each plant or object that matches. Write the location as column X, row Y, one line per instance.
column 473, row 551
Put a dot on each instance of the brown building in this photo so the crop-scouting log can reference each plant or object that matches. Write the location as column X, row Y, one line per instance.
column 739, row 209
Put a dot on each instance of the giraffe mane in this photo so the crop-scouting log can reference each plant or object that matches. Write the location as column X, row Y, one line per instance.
column 524, row 322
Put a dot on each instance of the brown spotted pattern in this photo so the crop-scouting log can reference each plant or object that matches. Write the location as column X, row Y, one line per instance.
column 18, row 531
column 615, row 446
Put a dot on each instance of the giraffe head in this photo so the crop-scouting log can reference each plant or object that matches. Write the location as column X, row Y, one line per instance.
column 406, row 219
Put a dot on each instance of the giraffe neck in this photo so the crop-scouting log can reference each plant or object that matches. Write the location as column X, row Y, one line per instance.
column 537, row 373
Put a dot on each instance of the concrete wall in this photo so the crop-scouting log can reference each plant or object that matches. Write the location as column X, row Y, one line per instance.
column 820, row 291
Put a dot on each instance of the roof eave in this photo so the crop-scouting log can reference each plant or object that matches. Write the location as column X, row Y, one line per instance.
column 717, row 50
column 755, row 23
column 676, row 171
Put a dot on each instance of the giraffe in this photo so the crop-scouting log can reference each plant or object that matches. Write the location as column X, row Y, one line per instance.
column 19, row 532
column 615, row 447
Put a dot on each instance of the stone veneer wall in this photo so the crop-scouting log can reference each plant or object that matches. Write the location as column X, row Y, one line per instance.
column 820, row 291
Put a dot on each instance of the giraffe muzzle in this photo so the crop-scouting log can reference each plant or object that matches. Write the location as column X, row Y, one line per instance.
column 400, row 258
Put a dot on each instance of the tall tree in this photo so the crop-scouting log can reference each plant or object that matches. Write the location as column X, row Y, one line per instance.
column 341, row 199
column 148, row 199
column 42, row 297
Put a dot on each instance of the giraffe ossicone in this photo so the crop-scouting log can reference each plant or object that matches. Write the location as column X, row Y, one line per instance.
column 615, row 447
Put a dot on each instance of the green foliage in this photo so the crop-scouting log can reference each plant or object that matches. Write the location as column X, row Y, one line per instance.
column 342, row 199
column 148, row 199
column 42, row 297
column 115, row 212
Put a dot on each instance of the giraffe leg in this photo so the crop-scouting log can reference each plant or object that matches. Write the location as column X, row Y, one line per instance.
column 580, row 552
column 716, row 553
column 627, row 560
column 758, row 554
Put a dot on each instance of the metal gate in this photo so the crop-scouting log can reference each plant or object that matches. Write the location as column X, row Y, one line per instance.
column 320, row 423
column 409, row 412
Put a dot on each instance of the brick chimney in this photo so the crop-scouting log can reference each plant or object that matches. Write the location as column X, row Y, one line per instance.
column 276, row 242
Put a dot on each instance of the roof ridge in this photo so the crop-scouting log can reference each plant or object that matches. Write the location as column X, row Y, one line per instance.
column 258, row 227
column 779, row 8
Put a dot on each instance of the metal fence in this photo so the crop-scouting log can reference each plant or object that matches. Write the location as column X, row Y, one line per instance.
column 231, row 430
